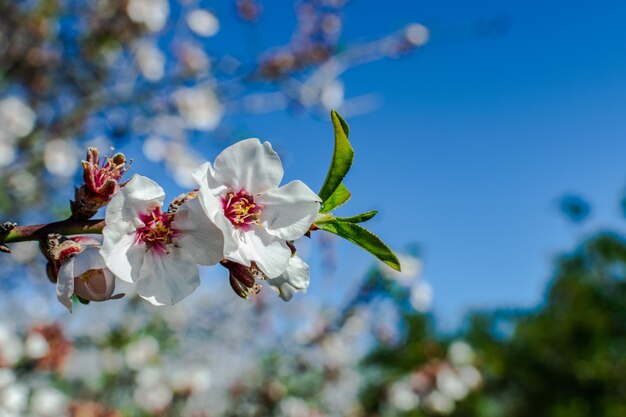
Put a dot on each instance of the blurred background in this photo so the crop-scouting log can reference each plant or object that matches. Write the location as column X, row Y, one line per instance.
column 489, row 135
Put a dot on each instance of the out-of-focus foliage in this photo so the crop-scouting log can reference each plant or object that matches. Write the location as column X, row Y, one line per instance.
column 564, row 358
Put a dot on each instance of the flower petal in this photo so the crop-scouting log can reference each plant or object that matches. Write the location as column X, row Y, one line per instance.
column 295, row 279
column 204, row 175
column 168, row 278
column 199, row 236
column 289, row 210
column 120, row 253
column 270, row 255
column 65, row 283
column 89, row 258
column 139, row 196
column 249, row 165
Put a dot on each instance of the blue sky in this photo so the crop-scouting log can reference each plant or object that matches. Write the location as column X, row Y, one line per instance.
column 474, row 143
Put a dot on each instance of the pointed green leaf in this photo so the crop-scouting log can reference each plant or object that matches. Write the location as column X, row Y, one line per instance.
column 359, row 218
column 338, row 198
column 363, row 238
column 342, row 157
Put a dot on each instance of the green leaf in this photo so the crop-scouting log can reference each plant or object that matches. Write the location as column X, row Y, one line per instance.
column 359, row 218
column 338, row 198
column 342, row 157
column 363, row 238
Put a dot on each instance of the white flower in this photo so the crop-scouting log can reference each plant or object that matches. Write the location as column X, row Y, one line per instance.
column 13, row 399
column 36, row 346
column 150, row 60
column 199, row 107
column 48, row 402
column 158, row 251
column 203, row 22
column 402, row 397
column 7, row 150
column 16, row 118
column 240, row 194
column 140, row 352
column 422, row 296
column 451, row 385
column 439, row 403
column 85, row 275
column 11, row 348
column 470, row 376
column 61, row 157
column 417, row 34
column 294, row 279
column 152, row 13
column 460, row 353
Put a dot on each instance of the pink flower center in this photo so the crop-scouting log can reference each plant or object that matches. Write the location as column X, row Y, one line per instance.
column 157, row 231
column 112, row 168
column 241, row 210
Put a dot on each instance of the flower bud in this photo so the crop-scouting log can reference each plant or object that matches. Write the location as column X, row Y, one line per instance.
column 242, row 278
column 101, row 182
column 85, row 275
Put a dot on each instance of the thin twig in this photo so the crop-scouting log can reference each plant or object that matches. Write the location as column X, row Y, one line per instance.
column 64, row 227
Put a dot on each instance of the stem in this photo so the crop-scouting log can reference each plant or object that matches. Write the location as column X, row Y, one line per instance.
column 64, row 227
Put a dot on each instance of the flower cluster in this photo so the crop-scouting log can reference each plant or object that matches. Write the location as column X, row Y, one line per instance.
column 238, row 215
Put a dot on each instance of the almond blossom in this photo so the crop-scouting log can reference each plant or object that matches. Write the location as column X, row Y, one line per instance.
column 240, row 194
column 295, row 279
column 159, row 251
column 85, row 275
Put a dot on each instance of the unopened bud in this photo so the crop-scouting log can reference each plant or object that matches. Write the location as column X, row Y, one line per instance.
column 85, row 274
column 242, row 278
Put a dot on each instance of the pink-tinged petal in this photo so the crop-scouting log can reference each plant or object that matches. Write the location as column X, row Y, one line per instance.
column 65, row 284
column 121, row 254
column 270, row 255
column 288, row 211
column 249, row 165
column 95, row 285
column 295, row 279
column 198, row 236
column 139, row 196
column 167, row 278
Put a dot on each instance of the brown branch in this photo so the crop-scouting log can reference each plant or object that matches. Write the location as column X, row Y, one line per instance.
column 41, row 231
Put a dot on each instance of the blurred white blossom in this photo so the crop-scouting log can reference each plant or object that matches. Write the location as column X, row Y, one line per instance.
column 11, row 348
column 140, row 352
column 332, row 95
column 199, row 107
column 152, row 13
column 13, row 400
column 61, row 157
column 460, row 353
column 402, row 397
column 48, row 402
column 36, row 346
column 417, row 34
column 422, row 296
column 150, row 60
column 451, row 385
column 7, row 151
column 203, row 23
column 439, row 403
column 16, row 118
column 470, row 376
